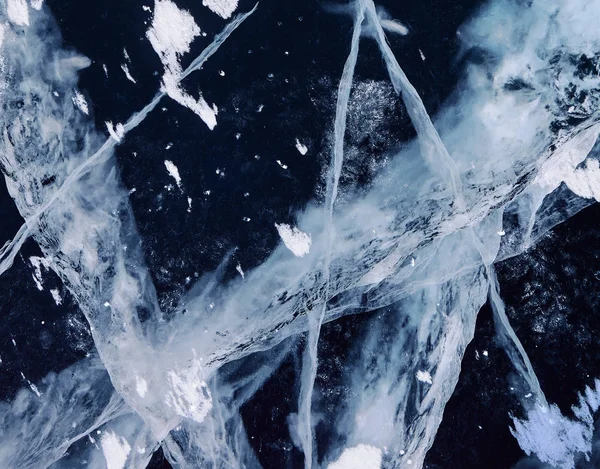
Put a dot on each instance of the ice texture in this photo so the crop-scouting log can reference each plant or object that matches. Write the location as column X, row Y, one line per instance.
column 420, row 242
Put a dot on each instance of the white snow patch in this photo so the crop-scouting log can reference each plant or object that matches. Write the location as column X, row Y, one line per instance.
column 38, row 263
column 115, row 449
column 358, row 457
column 115, row 132
column 141, row 386
column 125, row 69
column 17, row 12
column 199, row 106
column 34, row 388
column 80, row 102
column 171, row 34
column 223, row 8
column 37, row 4
column 424, row 377
column 303, row 149
column 190, row 396
column 295, row 240
column 56, row 296
column 173, row 172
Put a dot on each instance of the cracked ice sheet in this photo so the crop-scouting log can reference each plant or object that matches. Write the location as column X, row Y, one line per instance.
column 122, row 442
column 420, row 224
column 84, row 236
column 37, row 431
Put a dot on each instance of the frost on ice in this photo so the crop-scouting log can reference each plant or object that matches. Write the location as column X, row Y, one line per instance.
column 189, row 395
column 556, row 439
column 420, row 240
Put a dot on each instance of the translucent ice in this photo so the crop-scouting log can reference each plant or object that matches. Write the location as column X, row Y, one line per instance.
column 419, row 243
